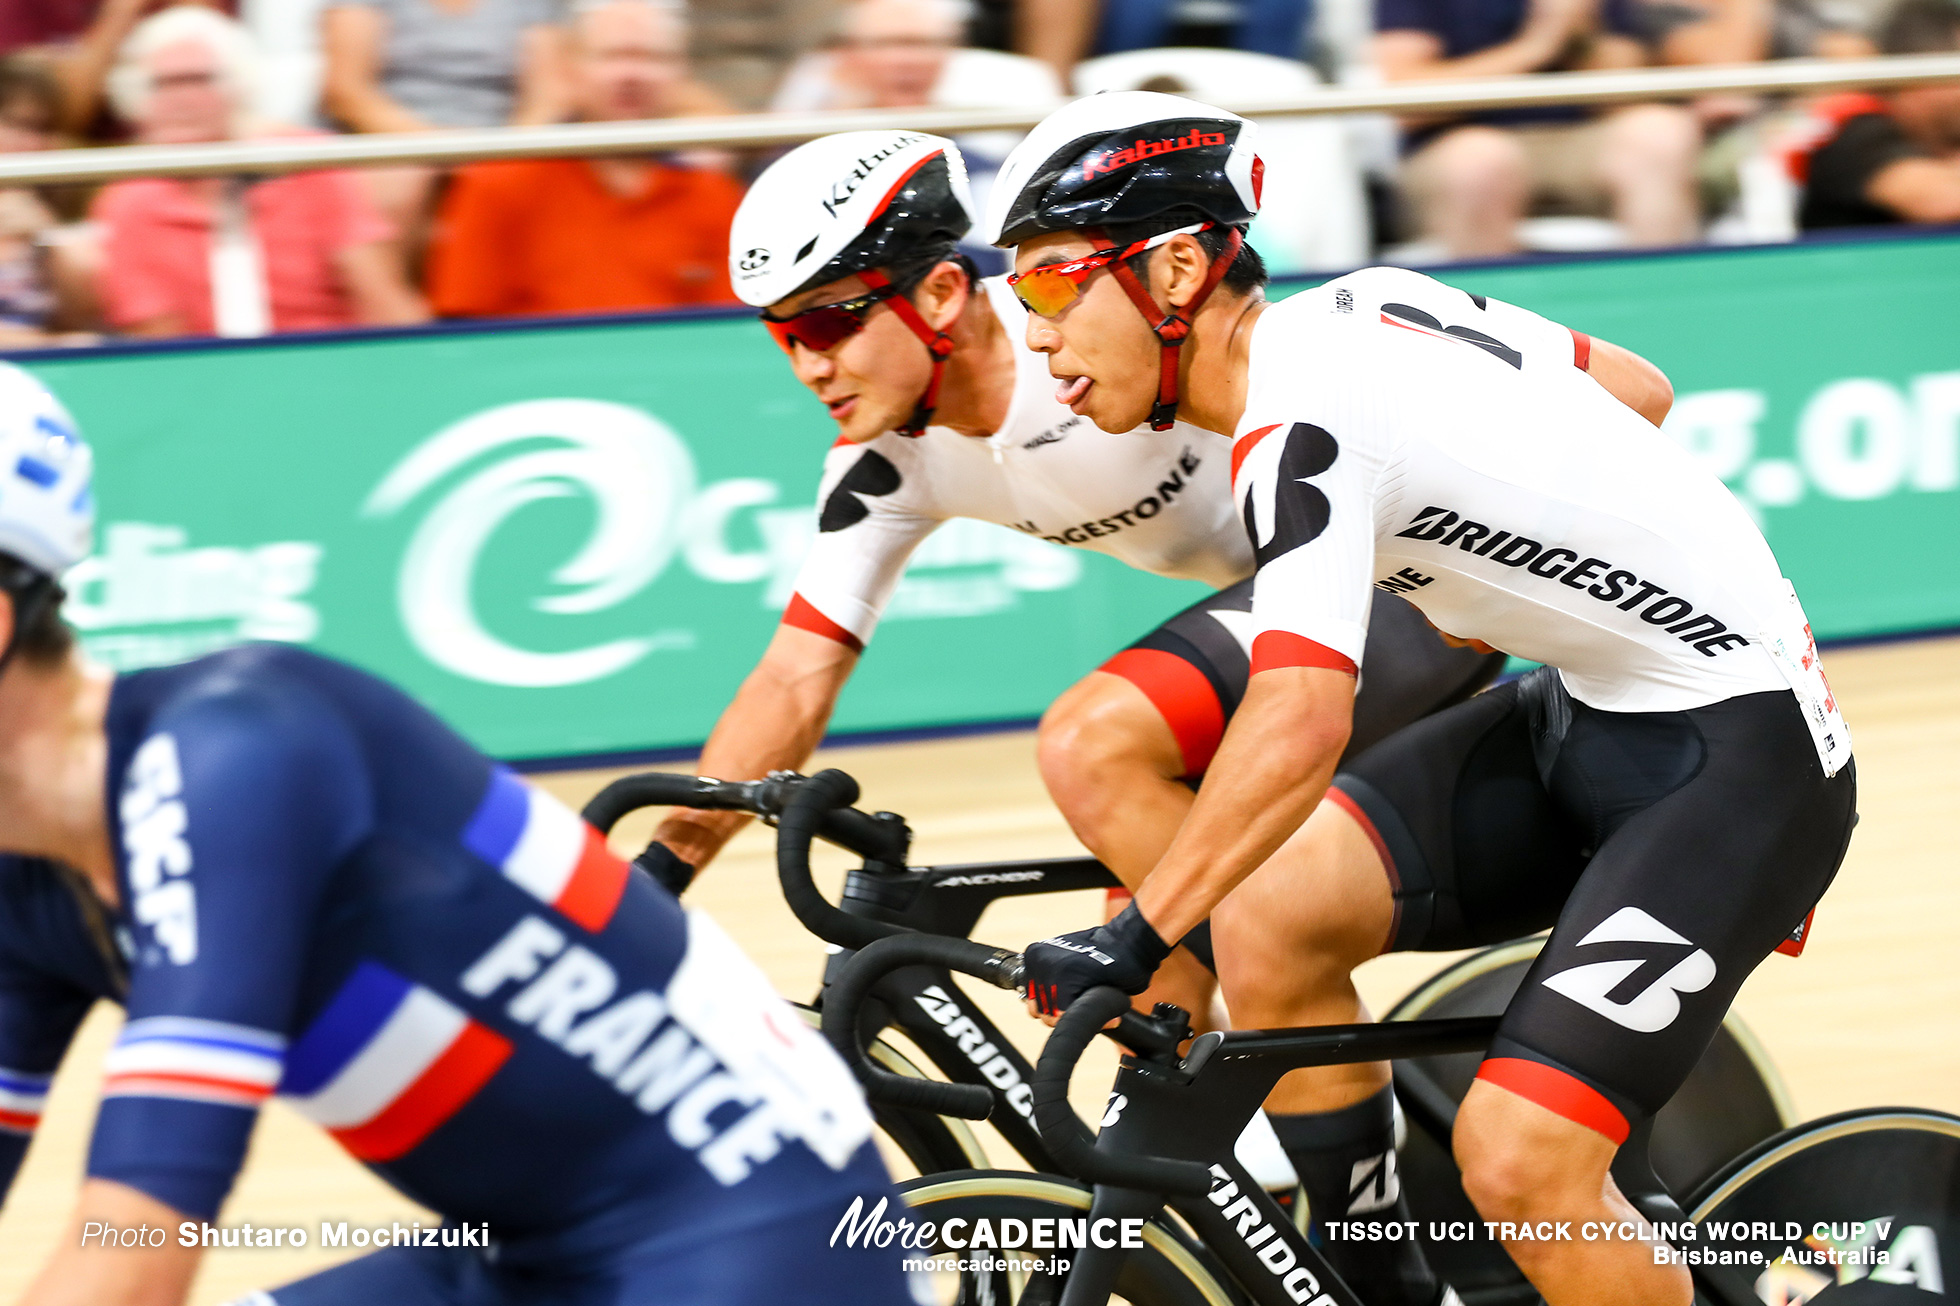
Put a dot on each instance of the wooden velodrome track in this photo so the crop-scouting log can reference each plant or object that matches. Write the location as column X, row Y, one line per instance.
column 1870, row 1015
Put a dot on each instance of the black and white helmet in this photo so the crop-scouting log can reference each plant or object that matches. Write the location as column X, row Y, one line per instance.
column 1123, row 158
column 1126, row 164
column 841, row 204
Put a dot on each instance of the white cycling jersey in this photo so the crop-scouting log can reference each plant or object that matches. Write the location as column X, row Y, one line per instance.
column 1158, row 500
column 1399, row 434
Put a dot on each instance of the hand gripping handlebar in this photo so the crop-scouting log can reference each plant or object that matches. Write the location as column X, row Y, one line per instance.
column 845, row 998
column 1063, row 1131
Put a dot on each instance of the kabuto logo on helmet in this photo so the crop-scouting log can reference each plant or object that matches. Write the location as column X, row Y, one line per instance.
column 1113, row 160
column 752, row 261
column 847, row 186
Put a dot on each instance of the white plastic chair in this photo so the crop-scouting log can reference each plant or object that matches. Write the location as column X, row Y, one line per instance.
column 288, row 33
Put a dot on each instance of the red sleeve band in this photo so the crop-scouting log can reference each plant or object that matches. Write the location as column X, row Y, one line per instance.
column 1181, row 695
column 1281, row 648
column 1581, row 350
column 804, row 616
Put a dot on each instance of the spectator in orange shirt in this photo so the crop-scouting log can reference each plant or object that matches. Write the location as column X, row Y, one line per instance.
column 592, row 235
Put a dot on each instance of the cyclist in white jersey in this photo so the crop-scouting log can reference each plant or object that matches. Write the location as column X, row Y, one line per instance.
column 1671, row 794
column 847, row 243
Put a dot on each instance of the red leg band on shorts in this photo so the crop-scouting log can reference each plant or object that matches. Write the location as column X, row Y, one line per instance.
column 1352, row 808
column 1581, row 350
column 1558, row 1093
column 803, row 615
column 1181, row 695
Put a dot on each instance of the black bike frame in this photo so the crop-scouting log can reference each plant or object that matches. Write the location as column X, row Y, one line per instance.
column 1165, row 1111
column 1195, row 1110
column 949, row 1028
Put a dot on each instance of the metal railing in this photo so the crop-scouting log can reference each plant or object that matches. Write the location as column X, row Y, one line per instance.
column 290, row 154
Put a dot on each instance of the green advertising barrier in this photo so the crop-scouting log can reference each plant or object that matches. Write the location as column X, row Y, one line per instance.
column 574, row 538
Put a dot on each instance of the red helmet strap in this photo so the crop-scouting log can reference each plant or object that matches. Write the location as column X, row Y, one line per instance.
column 937, row 343
column 1169, row 328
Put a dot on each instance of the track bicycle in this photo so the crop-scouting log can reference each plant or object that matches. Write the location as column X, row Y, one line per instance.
column 1733, row 1099
column 1860, row 1207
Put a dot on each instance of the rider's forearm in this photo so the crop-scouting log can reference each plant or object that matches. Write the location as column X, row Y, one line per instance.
column 1631, row 379
column 1270, row 772
column 775, row 723
column 84, row 1272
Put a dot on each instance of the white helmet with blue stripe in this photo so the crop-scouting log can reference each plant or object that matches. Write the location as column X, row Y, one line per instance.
column 47, row 512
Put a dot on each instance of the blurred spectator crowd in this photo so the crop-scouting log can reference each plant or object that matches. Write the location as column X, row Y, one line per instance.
column 397, row 245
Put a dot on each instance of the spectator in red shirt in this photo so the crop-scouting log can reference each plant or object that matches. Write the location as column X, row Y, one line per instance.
column 591, row 235
column 221, row 255
column 1878, row 159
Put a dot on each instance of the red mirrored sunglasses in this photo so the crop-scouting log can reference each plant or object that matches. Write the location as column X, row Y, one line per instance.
column 826, row 326
column 1052, row 287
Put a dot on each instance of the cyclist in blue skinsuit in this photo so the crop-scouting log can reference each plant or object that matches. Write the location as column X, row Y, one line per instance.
column 298, row 882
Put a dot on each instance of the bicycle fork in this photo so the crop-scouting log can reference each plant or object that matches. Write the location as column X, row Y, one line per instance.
column 1157, row 1110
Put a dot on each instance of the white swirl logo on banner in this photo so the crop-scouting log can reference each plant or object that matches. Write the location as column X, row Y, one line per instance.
column 639, row 476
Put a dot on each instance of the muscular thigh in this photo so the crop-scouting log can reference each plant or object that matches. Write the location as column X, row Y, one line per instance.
column 1473, row 846
column 1193, row 668
column 1318, row 907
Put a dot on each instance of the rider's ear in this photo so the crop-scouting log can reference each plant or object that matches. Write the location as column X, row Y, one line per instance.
column 942, row 294
column 1183, row 267
column 6, row 619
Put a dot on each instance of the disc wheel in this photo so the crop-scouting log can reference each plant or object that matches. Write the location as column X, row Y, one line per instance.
column 1731, row 1101
column 929, row 1143
column 1877, row 1183
column 1168, row 1270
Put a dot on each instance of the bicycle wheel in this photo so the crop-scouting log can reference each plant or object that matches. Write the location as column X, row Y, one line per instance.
column 928, row 1142
column 1732, row 1100
column 1879, row 1186
column 1169, row 1269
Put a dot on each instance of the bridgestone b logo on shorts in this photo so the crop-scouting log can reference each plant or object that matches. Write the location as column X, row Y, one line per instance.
column 1601, row 986
column 1594, row 576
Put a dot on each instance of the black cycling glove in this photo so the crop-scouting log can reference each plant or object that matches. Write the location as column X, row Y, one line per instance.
column 1126, row 952
column 668, row 870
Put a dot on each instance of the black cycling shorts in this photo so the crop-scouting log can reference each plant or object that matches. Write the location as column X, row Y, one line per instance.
column 1669, row 852
column 1193, row 669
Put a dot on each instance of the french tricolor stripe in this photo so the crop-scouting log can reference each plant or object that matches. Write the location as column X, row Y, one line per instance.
column 190, row 1060
column 22, row 1099
column 547, row 850
column 387, row 1062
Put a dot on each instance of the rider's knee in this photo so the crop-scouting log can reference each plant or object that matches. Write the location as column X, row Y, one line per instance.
column 1101, row 727
column 1512, row 1171
column 1268, row 965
